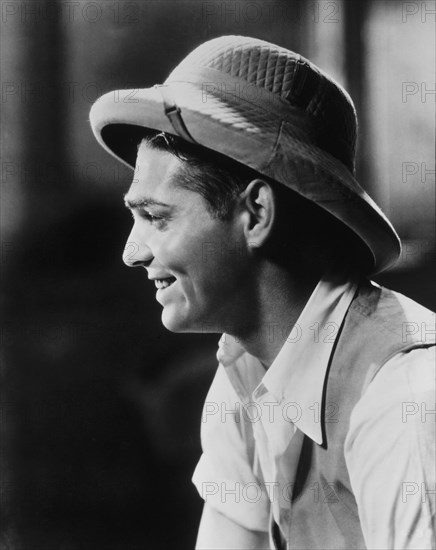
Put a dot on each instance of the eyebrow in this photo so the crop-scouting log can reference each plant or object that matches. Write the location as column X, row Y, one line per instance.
column 141, row 202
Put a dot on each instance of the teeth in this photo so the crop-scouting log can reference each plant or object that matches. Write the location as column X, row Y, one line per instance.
column 163, row 283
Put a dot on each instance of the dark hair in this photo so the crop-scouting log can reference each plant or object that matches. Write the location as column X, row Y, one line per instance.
column 308, row 233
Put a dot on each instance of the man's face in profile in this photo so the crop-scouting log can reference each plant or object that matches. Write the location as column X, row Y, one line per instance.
column 193, row 258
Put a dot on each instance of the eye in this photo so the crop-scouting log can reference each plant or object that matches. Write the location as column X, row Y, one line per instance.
column 157, row 221
column 150, row 217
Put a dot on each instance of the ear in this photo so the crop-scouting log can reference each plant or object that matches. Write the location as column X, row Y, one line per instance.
column 259, row 211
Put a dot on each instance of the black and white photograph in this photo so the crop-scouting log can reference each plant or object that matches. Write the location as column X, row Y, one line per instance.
column 265, row 377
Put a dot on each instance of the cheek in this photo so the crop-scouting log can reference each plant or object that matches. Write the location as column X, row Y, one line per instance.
column 179, row 253
column 206, row 258
column 217, row 273
column 193, row 245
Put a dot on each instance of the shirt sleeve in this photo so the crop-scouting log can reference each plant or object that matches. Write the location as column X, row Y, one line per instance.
column 390, row 454
column 225, row 475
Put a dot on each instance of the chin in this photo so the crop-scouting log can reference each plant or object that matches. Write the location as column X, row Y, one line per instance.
column 173, row 321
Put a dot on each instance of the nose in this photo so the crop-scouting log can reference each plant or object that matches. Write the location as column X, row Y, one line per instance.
column 136, row 252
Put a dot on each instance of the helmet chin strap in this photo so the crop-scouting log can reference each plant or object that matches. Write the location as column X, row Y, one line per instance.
column 174, row 113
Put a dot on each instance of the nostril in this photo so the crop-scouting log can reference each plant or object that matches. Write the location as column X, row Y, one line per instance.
column 136, row 256
column 131, row 254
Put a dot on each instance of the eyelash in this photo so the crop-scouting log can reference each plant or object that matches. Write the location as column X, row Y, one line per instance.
column 154, row 220
column 150, row 217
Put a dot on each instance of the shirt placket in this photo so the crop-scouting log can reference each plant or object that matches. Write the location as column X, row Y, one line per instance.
column 274, row 434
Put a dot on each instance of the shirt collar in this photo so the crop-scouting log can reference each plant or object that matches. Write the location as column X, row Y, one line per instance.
column 298, row 373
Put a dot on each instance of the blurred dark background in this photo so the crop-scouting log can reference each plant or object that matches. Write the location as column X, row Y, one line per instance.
column 100, row 406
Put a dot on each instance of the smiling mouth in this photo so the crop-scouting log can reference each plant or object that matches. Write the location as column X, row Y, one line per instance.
column 164, row 283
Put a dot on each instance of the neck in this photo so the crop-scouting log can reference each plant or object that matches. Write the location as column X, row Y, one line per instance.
column 280, row 301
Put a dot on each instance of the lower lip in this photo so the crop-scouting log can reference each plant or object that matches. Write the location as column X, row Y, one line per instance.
column 162, row 291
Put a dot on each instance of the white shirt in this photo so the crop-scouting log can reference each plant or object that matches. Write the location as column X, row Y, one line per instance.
column 253, row 424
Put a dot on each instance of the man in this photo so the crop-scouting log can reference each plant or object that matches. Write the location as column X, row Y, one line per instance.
column 249, row 220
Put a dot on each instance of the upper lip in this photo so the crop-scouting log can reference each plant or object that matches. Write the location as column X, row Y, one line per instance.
column 160, row 276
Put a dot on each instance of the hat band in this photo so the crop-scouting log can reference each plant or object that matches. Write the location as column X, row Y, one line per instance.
column 173, row 112
column 231, row 89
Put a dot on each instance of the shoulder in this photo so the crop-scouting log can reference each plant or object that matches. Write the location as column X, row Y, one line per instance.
column 380, row 325
column 390, row 452
column 399, row 402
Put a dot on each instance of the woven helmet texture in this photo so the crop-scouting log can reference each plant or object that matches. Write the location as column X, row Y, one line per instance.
column 295, row 79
